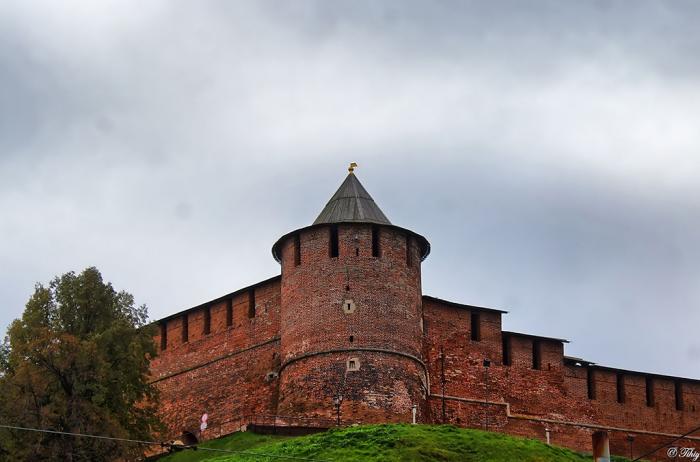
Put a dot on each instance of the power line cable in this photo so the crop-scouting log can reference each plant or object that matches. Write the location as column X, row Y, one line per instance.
column 162, row 444
column 667, row 444
column 56, row 432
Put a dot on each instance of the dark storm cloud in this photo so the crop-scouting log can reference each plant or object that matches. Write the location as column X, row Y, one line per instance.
column 548, row 150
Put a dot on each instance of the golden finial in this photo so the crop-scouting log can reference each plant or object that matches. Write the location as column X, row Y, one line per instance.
column 352, row 167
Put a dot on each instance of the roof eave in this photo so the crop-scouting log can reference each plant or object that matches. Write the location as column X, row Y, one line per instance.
column 537, row 337
column 425, row 245
column 463, row 305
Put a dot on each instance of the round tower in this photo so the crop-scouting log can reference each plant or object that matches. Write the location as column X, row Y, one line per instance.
column 351, row 315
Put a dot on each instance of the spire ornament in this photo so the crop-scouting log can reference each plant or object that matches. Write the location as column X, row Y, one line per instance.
column 353, row 166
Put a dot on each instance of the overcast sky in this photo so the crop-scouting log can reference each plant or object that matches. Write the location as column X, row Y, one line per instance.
column 550, row 152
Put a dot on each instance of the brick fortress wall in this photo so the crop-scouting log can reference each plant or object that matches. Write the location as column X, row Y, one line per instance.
column 227, row 364
column 351, row 293
column 532, row 389
column 224, row 364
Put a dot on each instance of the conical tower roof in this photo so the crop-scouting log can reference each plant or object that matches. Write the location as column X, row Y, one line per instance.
column 352, row 203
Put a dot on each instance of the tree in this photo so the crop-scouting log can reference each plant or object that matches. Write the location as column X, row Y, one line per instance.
column 77, row 361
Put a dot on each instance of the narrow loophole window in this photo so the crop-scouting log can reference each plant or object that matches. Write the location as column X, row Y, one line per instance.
column 650, row 391
column 353, row 364
column 590, row 382
column 163, row 335
column 297, row 250
column 621, row 388
column 185, row 328
column 251, row 303
column 506, row 350
column 409, row 250
column 333, row 248
column 376, row 249
column 207, row 321
column 348, row 306
column 352, row 339
column 229, row 312
column 678, row 390
column 476, row 326
column 536, row 354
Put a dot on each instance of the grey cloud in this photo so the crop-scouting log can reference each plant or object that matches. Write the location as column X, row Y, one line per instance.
column 522, row 36
column 548, row 151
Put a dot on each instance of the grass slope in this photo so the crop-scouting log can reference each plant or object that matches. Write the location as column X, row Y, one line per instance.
column 242, row 441
column 375, row 443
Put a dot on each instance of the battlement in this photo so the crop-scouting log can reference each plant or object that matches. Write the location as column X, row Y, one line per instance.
column 345, row 334
column 234, row 311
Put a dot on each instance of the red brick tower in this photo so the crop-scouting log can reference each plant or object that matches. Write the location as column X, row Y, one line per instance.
column 351, row 314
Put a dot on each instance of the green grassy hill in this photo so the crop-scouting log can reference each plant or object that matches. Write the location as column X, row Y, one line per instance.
column 385, row 443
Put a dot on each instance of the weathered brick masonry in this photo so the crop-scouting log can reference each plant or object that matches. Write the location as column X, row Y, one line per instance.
column 345, row 331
